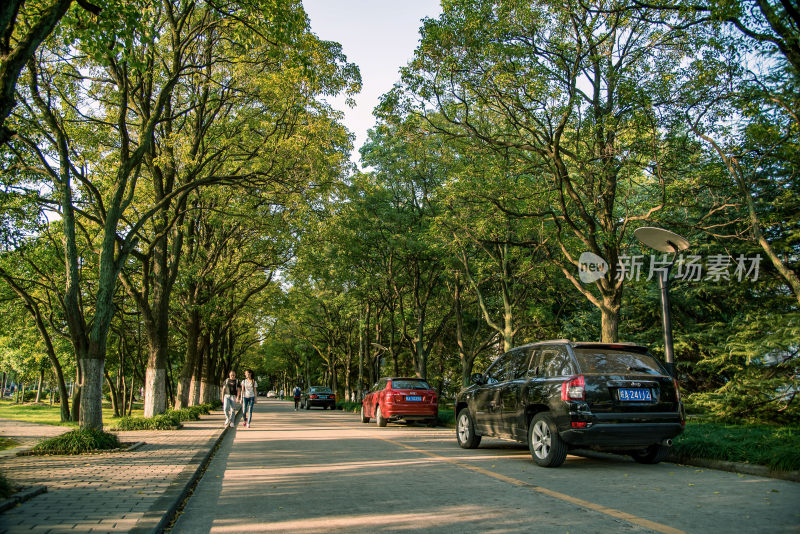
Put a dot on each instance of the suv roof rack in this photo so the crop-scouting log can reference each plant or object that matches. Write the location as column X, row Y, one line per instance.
column 618, row 344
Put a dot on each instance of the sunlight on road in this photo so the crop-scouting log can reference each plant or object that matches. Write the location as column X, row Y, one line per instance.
column 449, row 517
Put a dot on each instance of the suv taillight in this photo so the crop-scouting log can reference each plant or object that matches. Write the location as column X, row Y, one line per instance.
column 677, row 390
column 573, row 389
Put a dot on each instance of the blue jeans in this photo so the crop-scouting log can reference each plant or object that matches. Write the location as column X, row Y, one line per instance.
column 247, row 408
column 229, row 405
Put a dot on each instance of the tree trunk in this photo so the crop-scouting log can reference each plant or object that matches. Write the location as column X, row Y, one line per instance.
column 197, row 377
column 91, row 393
column 155, row 393
column 609, row 321
column 130, row 397
column 209, row 391
column 112, row 393
column 189, row 360
column 76, row 394
column 39, row 385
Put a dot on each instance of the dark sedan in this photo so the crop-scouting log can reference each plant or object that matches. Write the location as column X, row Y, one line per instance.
column 318, row 396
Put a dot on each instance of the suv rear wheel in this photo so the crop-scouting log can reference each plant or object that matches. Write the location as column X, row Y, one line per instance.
column 465, row 431
column 652, row 454
column 547, row 447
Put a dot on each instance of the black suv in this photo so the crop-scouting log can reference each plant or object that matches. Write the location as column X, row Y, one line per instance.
column 557, row 395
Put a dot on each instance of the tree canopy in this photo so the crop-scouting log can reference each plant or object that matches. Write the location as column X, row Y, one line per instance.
column 177, row 198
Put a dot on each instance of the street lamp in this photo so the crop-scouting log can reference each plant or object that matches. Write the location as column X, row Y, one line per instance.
column 664, row 241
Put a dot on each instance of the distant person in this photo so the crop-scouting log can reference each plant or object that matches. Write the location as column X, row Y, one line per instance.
column 248, row 397
column 296, row 394
column 230, row 392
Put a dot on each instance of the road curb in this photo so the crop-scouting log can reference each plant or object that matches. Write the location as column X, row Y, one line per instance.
column 163, row 510
column 720, row 465
column 737, row 467
column 21, row 496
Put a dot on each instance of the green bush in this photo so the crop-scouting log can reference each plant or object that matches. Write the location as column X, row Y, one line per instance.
column 78, row 441
column 773, row 446
column 347, row 406
column 447, row 417
column 6, row 488
column 165, row 421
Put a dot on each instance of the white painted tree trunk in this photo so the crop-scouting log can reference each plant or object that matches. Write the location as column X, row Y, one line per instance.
column 155, row 391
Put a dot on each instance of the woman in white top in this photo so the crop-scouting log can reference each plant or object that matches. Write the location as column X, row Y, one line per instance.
column 249, row 392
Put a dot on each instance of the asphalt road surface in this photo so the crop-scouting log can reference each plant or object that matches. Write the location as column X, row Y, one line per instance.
column 325, row 471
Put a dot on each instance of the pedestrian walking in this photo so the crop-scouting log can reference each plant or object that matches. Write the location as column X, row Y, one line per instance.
column 230, row 392
column 296, row 394
column 248, row 394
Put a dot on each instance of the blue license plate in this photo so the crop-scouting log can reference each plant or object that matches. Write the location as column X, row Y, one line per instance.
column 416, row 398
column 626, row 394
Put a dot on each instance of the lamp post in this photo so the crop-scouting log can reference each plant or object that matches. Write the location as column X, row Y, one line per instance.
column 670, row 242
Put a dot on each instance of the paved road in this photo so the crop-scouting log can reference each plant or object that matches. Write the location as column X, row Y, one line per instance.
column 315, row 471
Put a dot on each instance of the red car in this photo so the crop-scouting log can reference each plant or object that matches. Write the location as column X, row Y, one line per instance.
column 391, row 399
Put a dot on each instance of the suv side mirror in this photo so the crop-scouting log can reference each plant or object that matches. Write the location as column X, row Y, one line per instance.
column 478, row 379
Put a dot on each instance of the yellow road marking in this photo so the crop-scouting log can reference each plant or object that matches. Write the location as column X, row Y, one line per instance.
column 618, row 514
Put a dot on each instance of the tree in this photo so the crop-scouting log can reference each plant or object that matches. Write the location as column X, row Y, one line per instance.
column 24, row 25
column 107, row 158
column 573, row 96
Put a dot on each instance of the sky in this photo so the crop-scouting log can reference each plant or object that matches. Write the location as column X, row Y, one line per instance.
column 379, row 36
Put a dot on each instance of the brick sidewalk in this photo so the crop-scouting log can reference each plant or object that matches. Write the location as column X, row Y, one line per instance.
column 110, row 492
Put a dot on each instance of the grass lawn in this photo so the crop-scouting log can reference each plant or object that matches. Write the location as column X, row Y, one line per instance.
column 50, row 415
column 777, row 447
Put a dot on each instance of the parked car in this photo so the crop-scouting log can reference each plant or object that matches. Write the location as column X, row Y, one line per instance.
column 395, row 398
column 558, row 395
column 271, row 394
column 318, row 396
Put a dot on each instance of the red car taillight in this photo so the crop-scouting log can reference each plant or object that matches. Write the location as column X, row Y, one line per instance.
column 574, row 389
column 313, row 397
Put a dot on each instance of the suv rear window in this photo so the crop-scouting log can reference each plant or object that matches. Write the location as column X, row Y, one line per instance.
column 608, row 361
column 409, row 384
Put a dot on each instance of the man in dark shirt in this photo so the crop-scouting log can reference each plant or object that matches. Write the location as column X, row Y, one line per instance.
column 230, row 390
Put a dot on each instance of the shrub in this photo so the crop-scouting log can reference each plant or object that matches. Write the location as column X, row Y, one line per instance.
column 770, row 445
column 6, row 488
column 447, row 417
column 185, row 414
column 348, row 406
column 165, row 421
column 78, row 441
